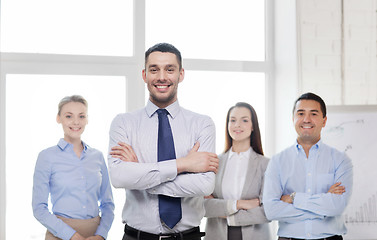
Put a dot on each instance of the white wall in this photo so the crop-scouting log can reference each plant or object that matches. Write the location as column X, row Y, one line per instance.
column 337, row 49
column 327, row 47
column 286, row 72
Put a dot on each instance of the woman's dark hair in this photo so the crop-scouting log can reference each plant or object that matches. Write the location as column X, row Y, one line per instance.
column 255, row 138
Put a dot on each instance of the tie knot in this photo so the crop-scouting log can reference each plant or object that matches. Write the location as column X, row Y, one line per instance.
column 162, row 112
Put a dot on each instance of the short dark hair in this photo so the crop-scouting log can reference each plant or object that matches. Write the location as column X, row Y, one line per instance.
column 164, row 47
column 314, row 97
column 255, row 137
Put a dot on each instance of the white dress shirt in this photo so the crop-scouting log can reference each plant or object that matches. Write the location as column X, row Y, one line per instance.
column 235, row 175
column 146, row 179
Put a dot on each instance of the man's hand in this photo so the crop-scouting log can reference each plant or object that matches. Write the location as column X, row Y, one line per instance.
column 286, row 198
column 209, row 197
column 124, row 152
column 337, row 189
column 248, row 204
column 197, row 162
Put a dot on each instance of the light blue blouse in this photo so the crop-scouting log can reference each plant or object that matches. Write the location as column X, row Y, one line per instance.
column 79, row 188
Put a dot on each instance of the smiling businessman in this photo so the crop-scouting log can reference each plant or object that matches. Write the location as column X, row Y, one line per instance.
column 308, row 185
column 163, row 156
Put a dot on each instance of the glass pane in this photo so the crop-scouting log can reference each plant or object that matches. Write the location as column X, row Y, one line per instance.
column 211, row 29
column 31, row 127
column 85, row 27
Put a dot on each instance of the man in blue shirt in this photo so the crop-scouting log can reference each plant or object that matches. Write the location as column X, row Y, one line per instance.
column 308, row 185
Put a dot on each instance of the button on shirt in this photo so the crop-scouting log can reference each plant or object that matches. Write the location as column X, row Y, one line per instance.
column 314, row 212
column 76, row 186
column 146, row 179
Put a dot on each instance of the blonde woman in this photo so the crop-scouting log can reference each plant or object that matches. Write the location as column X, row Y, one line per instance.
column 75, row 176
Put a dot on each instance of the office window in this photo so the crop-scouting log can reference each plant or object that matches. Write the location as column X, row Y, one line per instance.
column 78, row 44
column 31, row 126
column 211, row 29
column 85, row 27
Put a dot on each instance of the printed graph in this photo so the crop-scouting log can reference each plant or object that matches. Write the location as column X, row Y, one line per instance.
column 365, row 213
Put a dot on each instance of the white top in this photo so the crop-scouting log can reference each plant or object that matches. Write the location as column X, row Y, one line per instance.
column 235, row 175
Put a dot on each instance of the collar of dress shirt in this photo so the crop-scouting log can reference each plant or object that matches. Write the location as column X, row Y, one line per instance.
column 245, row 154
column 173, row 108
column 315, row 146
column 62, row 144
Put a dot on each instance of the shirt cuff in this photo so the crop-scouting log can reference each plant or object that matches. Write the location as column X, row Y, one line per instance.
column 168, row 170
column 232, row 209
column 299, row 201
column 101, row 232
column 67, row 234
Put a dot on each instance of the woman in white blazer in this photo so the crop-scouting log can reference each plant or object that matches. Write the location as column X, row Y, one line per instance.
column 234, row 210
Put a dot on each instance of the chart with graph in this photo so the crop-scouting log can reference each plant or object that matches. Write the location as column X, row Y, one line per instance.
column 354, row 130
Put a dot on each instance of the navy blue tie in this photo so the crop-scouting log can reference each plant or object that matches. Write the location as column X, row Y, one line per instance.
column 169, row 207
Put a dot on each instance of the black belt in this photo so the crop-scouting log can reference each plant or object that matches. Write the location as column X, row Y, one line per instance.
column 335, row 237
column 193, row 233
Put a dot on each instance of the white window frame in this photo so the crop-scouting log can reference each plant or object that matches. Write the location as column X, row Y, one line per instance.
column 129, row 67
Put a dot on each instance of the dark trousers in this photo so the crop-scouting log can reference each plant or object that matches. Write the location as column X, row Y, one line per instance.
column 234, row 233
column 335, row 237
column 134, row 234
column 126, row 237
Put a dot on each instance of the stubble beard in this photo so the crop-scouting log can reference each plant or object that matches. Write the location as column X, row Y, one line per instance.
column 163, row 101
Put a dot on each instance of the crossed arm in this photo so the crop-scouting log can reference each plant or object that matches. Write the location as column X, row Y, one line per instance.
column 335, row 189
column 193, row 162
column 133, row 164
column 192, row 175
column 242, row 204
column 248, row 212
column 306, row 206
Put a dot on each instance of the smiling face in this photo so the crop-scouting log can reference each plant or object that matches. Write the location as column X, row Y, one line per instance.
column 240, row 125
column 162, row 76
column 309, row 121
column 73, row 118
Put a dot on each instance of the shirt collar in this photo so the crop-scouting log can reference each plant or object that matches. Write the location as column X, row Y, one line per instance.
column 173, row 108
column 245, row 154
column 62, row 144
column 318, row 145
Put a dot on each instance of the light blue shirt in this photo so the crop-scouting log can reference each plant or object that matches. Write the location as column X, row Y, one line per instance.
column 314, row 212
column 76, row 187
column 143, row 181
